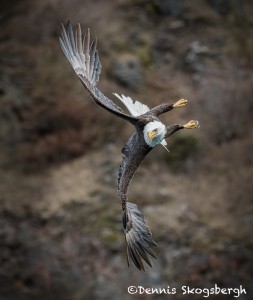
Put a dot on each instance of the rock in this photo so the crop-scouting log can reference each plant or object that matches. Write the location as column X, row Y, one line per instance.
column 221, row 6
column 164, row 42
column 164, row 48
column 170, row 7
column 127, row 71
column 2, row 83
column 193, row 55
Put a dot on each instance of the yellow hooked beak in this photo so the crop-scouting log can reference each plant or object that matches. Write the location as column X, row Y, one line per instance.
column 151, row 134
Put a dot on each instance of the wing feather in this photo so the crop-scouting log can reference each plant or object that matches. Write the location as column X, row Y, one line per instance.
column 142, row 253
column 92, row 57
column 84, row 59
column 71, row 39
column 86, row 50
column 134, row 256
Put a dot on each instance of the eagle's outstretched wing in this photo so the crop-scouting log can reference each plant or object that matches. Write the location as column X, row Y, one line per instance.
column 137, row 233
column 84, row 59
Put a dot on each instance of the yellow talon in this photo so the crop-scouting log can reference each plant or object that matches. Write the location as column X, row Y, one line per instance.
column 180, row 103
column 192, row 124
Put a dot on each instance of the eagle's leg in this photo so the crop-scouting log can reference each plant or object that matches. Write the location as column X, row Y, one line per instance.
column 173, row 128
column 163, row 108
column 180, row 103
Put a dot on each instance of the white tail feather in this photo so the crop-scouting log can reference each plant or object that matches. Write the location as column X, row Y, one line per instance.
column 135, row 108
column 165, row 147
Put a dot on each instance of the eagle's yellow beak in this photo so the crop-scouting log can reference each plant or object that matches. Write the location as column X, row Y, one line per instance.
column 151, row 134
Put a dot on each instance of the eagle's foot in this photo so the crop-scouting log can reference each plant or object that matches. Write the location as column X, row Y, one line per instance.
column 180, row 103
column 192, row 124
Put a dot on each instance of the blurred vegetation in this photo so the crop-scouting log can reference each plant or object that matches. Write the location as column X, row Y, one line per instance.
column 183, row 149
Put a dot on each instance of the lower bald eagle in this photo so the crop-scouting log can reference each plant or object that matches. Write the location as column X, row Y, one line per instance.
column 150, row 132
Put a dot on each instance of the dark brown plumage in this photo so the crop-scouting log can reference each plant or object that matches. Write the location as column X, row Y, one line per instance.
column 84, row 59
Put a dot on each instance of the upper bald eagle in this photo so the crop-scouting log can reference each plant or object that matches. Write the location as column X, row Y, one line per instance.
column 150, row 132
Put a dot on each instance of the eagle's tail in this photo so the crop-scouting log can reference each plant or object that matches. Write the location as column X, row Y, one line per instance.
column 81, row 53
column 138, row 236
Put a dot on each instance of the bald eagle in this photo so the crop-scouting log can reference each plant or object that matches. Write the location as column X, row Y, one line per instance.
column 149, row 132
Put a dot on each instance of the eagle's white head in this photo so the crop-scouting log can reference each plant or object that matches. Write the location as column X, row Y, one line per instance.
column 154, row 133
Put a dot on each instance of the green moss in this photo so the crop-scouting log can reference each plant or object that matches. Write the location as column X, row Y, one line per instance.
column 144, row 56
column 150, row 6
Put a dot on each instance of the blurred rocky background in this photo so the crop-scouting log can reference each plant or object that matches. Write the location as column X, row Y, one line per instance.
column 60, row 218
